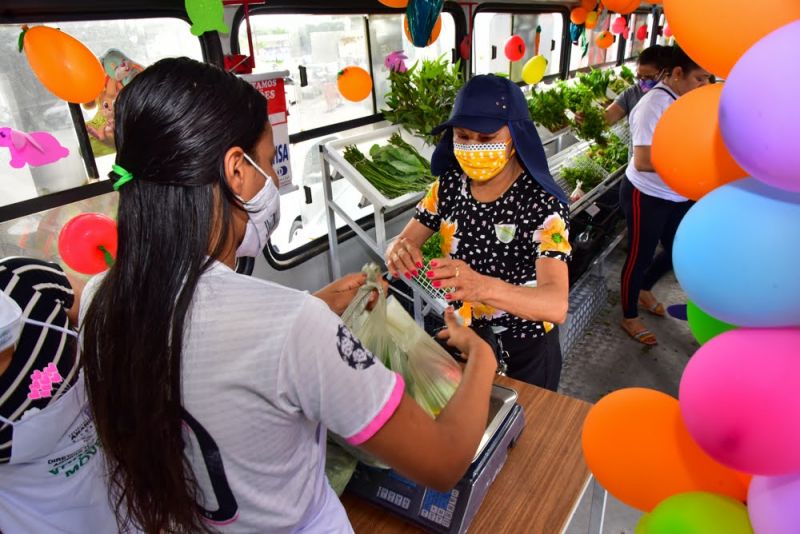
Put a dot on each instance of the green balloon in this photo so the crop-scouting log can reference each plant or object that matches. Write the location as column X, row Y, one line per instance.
column 696, row 513
column 704, row 326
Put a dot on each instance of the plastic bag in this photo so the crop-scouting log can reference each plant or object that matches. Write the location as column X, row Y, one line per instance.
column 390, row 333
column 578, row 193
column 339, row 466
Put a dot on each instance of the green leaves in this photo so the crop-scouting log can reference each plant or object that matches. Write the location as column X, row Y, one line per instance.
column 421, row 98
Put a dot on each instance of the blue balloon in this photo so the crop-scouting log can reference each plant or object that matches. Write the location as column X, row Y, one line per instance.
column 737, row 254
column 422, row 15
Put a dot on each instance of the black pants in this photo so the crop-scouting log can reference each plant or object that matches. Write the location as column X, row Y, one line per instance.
column 650, row 220
column 536, row 361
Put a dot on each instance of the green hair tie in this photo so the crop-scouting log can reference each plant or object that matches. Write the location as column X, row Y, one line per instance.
column 124, row 176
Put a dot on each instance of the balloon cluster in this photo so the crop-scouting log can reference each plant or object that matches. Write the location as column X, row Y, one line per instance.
column 733, row 435
column 620, row 27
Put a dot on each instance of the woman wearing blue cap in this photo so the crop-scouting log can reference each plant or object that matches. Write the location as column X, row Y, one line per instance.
column 504, row 227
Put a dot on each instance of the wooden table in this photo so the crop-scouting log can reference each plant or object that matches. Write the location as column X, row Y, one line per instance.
column 537, row 489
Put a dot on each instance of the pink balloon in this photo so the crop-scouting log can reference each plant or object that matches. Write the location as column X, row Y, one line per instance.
column 739, row 399
column 667, row 31
column 773, row 504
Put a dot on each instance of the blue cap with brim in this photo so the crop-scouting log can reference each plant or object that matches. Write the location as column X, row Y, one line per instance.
column 485, row 104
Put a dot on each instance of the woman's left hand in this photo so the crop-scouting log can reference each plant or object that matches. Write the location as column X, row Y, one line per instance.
column 463, row 282
column 339, row 293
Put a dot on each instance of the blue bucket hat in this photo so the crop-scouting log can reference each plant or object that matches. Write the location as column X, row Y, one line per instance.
column 485, row 104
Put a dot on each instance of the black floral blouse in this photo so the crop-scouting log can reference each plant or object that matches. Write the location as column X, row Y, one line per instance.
column 503, row 239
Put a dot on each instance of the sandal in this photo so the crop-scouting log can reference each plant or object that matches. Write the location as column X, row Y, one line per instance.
column 644, row 336
column 656, row 309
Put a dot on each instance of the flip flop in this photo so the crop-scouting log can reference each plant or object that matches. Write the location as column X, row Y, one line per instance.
column 645, row 336
column 656, row 309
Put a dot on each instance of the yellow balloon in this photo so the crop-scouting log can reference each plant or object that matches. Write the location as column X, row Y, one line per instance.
column 534, row 69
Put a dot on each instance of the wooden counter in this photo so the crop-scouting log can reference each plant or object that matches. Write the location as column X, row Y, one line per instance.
column 538, row 487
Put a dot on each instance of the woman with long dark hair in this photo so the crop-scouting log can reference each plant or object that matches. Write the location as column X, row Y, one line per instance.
column 212, row 391
column 652, row 209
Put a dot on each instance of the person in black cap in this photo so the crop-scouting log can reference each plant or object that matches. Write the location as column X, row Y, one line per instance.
column 504, row 224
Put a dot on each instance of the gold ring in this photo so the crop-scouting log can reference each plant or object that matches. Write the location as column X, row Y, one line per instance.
column 394, row 257
column 457, row 272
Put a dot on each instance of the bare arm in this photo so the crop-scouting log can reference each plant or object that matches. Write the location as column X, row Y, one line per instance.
column 614, row 113
column 403, row 256
column 438, row 452
column 641, row 159
column 548, row 301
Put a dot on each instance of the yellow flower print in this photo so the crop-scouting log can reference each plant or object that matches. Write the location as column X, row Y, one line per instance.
column 448, row 231
column 484, row 311
column 553, row 235
column 430, row 202
column 548, row 327
column 465, row 312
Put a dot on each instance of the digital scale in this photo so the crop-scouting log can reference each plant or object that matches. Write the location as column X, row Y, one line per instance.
column 448, row 512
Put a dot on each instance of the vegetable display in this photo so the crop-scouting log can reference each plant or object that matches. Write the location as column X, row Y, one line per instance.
column 612, row 156
column 432, row 248
column 394, row 170
column 421, row 97
column 583, row 169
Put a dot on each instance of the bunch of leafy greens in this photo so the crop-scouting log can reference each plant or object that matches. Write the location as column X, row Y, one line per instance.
column 612, row 156
column 627, row 75
column 432, row 248
column 547, row 108
column 597, row 81
column 422, row 97
column 395, row 169
column 584, row 170
column 580, row 99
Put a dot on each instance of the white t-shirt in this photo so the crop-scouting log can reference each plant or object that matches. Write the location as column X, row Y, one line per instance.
column 265, row 371
column 643, row 120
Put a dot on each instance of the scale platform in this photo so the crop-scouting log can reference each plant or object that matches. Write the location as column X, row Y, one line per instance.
column 448, row 512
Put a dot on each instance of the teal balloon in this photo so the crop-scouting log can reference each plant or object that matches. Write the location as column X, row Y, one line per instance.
column 737, row 255
column 704, row 326
column 696, row 513
column 421, row 16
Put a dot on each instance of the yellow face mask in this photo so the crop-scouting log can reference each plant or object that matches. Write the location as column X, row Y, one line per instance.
column 482, row 162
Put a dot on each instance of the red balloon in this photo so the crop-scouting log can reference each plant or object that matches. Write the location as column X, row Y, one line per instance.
column 641, row 33
column 515, row 48
column 81, row 239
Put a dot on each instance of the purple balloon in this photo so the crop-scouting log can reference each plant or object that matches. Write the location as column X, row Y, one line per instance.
column 759, row 113
column 774, row 504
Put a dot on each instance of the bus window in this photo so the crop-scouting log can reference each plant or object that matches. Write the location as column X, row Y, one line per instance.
column 36, row 235
column 594, row 56
column 634, row 46
column 313, row 48
column 25, row 105
column 386, row 36
column 491, row 31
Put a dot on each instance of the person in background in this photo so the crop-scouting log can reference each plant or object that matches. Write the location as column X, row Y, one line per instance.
column 52, row 476
column 650, row 67
column 212, row 391
column 504, row 224
column 653, row 211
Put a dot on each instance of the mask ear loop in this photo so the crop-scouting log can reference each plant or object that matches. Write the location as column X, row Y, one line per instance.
column 52, row 327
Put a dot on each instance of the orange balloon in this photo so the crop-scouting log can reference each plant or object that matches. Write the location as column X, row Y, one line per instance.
column 688, row 151
column 63, row 64
column 578, row 16
column 713, row 33
column 591, row 20
column 354, row 83
column 637, row 446
column 604, row 39
column 623, row 7
column 394, row 3
column 437, row 29
column 589, row 5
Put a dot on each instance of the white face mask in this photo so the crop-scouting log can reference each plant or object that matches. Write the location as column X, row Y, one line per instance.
column 10, row 321
column 263, row 212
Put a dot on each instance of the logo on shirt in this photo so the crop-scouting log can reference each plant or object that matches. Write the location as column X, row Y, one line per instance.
column 505, row 232
column 352, row 351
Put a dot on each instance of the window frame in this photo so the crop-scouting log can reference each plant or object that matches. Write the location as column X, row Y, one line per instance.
column 656, row 12
column 532, row 9
column 23, row 12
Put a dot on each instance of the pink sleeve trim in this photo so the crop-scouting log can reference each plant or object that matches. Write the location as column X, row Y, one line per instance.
column 384, row 415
